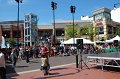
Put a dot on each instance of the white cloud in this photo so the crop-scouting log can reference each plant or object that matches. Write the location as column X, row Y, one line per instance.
column 13, row 2
column 115, row 14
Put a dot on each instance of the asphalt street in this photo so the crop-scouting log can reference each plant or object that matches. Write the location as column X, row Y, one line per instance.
column 36, row 63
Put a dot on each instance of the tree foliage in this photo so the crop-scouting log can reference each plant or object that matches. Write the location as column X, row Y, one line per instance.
column 88, row 30
column 12, row 41
column 117, row 32
column 69, row 31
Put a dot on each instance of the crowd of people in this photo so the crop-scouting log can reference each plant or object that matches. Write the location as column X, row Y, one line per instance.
column 44, row 52
column 28, row 52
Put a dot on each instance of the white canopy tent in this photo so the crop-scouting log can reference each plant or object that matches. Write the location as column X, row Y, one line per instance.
column 99, row 41
column 115, row 38
column 70, row 41
column 3, row 42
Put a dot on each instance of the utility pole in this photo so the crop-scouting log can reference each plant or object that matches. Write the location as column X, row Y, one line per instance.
column 54, row 6
column 18, row 32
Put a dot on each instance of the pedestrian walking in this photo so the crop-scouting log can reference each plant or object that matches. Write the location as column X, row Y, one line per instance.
column 27, row 51
column 21, row 53
column 2, row 65
column 14, row 56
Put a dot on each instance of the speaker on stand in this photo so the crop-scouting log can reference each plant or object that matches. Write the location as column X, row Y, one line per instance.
column 80, row 44
column 80, row 51
column 116, row 44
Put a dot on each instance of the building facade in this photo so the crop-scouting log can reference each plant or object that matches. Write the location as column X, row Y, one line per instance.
column 9, row 30
column 104, row 26
column 30, row 30
column 30, row 33
column 45, row 31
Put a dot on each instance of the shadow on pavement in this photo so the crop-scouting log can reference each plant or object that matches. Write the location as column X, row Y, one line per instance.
column 21, row 66
column 57, row 74
column 10, row 71
column 58, row 69
column 110, row 69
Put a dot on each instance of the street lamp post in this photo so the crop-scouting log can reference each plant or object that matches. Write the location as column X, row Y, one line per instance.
column 72, row 9
column 18, row 1
column 54, row 6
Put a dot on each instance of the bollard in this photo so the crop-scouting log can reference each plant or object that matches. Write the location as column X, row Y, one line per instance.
column 76, row 60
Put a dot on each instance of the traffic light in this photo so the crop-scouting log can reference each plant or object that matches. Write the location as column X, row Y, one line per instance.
column 18, row 1
column 53, row 5
column 72, row 8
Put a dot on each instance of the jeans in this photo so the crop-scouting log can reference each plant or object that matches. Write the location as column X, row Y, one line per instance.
column 14, row 61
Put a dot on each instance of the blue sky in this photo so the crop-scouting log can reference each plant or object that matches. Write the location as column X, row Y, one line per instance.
column 42, row 8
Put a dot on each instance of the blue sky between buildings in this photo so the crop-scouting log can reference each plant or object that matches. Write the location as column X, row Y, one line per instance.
column 42, row 8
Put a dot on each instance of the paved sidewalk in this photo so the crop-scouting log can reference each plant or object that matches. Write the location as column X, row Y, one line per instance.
column 69, row 72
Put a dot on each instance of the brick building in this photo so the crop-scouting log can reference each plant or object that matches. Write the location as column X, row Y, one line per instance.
column 9, row 29
column 28, row 28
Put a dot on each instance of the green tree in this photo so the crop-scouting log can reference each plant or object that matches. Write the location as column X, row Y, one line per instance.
column 88, row 30
column 96, row 32
column 69, row 31
column 117, row 32
column 82, row 31
column 12, row 41
column 91, row 32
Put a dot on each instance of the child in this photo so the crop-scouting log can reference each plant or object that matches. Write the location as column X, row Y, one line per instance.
column 45, row 64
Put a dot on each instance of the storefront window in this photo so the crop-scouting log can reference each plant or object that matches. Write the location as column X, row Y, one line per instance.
column 6, row 33
column 25, row 31
column 27, row 18
column 98, row 17
column 16, row 34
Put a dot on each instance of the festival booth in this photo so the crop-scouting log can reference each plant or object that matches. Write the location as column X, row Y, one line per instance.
column 99, row 42
column 4, row 47
column 112, row 40
column 3, row 43
column 110, row 57
column 74, row 41
column 112, row 49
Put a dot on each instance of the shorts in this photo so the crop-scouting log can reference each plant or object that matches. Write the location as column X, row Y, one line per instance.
column 44, row 67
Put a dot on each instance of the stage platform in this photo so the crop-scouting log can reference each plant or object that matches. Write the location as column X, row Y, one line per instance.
column 105, row 59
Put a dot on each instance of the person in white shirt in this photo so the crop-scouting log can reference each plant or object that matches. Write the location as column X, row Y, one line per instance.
column 2, row 66
column 21, row 53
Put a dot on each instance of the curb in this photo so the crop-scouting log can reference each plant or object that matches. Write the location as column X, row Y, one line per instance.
column 39, row 69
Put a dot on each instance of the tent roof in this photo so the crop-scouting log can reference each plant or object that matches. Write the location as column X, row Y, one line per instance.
column 115, row 38
column 70, row 41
